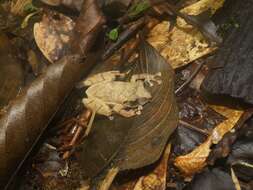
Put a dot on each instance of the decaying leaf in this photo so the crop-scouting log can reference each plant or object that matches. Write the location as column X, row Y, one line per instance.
column 183, row 45
column 195, row 161
column 52, row 35
column 11, row 72
column 147, row 133
column 231, row 71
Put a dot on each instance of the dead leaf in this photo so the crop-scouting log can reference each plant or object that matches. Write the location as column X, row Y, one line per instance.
column 199, row 7
column 195, row 161
column 184, row 43
column 87, row 26
column 231, row 71
column 52, row 35
column 137, row 141
column 157, row 178
column 33, row 61
column 26, row 118
column 12, row 74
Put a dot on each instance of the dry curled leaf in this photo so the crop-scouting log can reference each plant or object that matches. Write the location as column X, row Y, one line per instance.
column 183, row 44
column 196, row 160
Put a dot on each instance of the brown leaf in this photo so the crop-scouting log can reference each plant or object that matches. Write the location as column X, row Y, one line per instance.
column 11, row 72
column 27, row 117
column 138, row 141
column 157, row 178
column 147, row 138
column 87, row 26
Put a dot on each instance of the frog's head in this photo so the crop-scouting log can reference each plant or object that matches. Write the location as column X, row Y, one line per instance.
column 142, row 92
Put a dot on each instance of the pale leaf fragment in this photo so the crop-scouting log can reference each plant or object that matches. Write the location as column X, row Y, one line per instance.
column 195, row 161
column 235, row 180
column 53, row 34
column 199, row 7
column 183, row 44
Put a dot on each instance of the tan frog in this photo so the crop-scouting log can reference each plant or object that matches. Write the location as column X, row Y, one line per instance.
column 106, row 95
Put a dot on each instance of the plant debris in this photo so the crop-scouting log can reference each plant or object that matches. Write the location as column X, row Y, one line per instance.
column 125, row 95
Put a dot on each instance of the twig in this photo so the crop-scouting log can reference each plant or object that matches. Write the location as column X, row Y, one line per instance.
column 83, row 121
column 190, row 126
column 110, row 176
column 188, row 81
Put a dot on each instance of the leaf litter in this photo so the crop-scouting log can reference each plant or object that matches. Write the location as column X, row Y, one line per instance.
column 98, row 139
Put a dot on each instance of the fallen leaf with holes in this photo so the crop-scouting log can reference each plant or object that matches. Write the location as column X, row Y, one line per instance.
column 195, row 161
column 184, row 43
column 53, row 34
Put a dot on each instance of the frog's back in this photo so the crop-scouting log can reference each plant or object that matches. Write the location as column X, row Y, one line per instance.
column 115, row 91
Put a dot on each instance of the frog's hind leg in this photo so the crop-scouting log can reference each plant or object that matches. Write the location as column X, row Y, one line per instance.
column 120, row 109
column 97, row 105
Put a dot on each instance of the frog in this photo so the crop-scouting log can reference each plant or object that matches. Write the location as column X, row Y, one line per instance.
column 106, row 95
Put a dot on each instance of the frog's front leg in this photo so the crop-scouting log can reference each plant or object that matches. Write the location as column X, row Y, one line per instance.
column 98, row 106
column 148, row 78
column 120, row 109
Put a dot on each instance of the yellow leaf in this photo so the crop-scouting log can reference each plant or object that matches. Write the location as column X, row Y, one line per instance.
column 195, row 161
